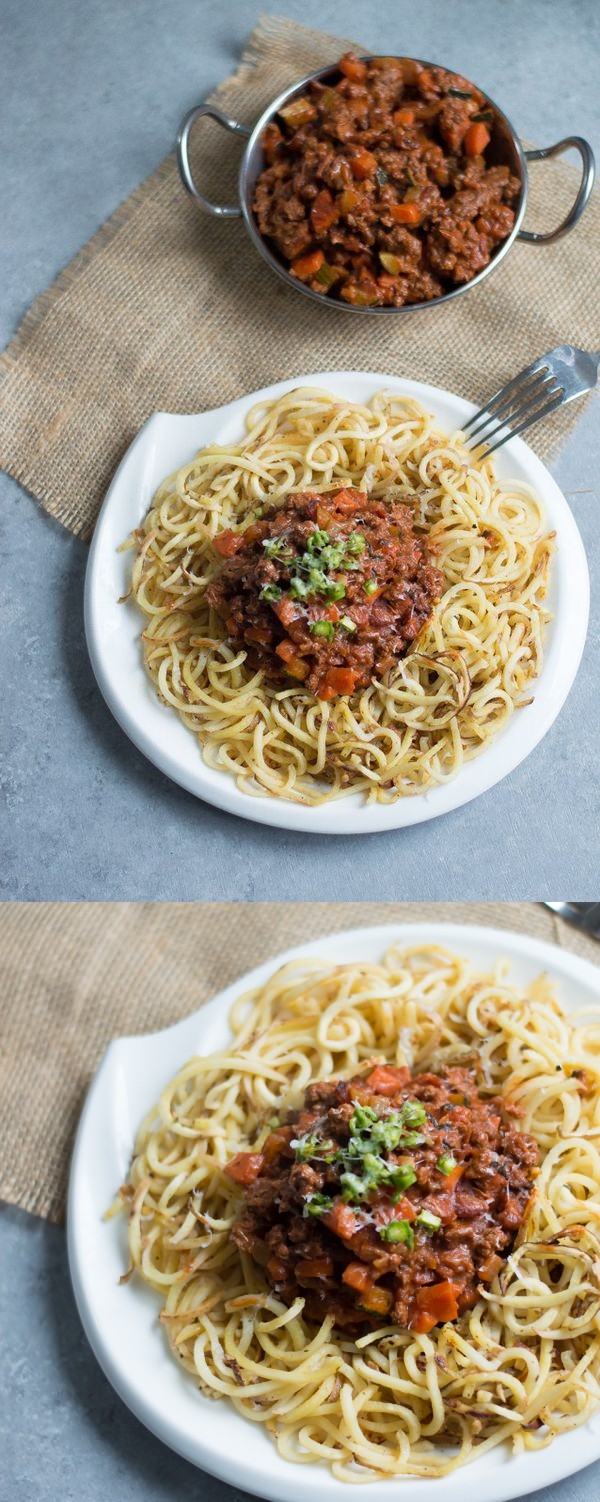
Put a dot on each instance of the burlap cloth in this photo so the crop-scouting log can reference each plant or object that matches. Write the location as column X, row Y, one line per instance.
column 166, row 309
column 73, row 976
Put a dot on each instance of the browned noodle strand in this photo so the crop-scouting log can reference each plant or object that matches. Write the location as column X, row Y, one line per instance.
column 442, row 704
column 524, row 1364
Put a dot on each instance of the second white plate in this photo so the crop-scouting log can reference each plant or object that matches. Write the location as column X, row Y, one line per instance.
column 113, row 631
column 122, row 1323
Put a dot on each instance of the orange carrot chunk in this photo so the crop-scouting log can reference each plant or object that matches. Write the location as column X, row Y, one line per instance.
column 307, row 266
column 438, row 1301
column 385, row 1080
column 245, row 1167
column 315, row 1267
column 405, row 213
column 363, row 164
column 476, row 139
column 352, row 67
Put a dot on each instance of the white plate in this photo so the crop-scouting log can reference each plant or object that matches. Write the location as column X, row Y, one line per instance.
column 122, row 1322
column 113, row 631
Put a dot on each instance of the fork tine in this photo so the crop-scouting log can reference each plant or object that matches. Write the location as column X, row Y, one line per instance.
column 521, row 408
column 534, row 417
column 514, row 403
column 530, row 370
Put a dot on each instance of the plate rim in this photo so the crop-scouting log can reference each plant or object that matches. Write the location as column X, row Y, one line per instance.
column 342, row 816
column 290, row 1485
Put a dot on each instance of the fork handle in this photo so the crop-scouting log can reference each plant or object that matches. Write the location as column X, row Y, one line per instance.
column 588, row 172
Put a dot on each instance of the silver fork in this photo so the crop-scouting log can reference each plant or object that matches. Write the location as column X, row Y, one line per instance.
column 543, row 387
column 584, row 915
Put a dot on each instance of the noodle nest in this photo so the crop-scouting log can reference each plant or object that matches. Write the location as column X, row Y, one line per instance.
column 523, row 1365
column 469, row 669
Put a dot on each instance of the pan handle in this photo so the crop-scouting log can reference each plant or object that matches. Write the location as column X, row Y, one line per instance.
column 587, row 182
column 221, row 210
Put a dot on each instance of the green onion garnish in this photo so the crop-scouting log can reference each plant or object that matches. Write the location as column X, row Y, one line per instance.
column 370, row 588
column 428, row 1220
column 398, row 1230
column 446, row 1163
column 271, row 592
column 348, row 624
column 322, row 628
column 317, row 1204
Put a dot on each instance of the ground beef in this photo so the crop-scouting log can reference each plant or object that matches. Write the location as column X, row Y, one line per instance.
column 471, row 1170
column 376, row 187
column 329, row 589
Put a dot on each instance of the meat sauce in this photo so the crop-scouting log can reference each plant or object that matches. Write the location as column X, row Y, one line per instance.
column 377, row 189
column 387, row 1198
column 330, row 590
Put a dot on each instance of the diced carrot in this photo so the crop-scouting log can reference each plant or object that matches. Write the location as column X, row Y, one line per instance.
column 336, row 681
column 260, row 634
column 315, row 1267
column 489, row 1268
column 352, row 67
column 297, row 669
column 363, row 164
column 227, row 543
column 277, row 1268
column 324, row 212
column 403, row 117
column 307, row 266
column 341, row 1220
column 376, row 1300
column 348, row 200
column 323, row 517
column 385, row 1211
column 451, row 1179
column 476, row 139
column 286, row 650
column 277, row 1142
column 357, row 1275
column 385, row 1080
column 245, row 1167
column 439, row 1301
column 349, row 500
column 331, row 614
column 405, row 213
column 423, row 1323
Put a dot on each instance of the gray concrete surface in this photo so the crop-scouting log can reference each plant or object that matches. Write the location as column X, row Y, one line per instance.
column 64, row 1434
column 90, row 98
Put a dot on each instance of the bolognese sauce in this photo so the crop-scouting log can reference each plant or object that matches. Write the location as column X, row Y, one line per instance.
column 387, row 1198
column 327, row 589
column 377, row 187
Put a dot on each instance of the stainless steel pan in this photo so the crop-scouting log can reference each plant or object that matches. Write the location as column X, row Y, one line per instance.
column 505, row 148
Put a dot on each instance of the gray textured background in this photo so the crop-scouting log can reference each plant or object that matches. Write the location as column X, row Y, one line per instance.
column 90, row 98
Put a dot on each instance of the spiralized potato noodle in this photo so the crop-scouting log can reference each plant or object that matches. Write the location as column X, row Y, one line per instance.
column 523, row 1365
column 472, row 664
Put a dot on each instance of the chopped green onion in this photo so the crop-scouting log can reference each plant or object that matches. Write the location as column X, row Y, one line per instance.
column 336, row 590
column 317, row 539
column 364, row 1116
column 274, row 1121
column 414, row 1113
column 428, row 1220
column 398, row 1230
column 347, row 623
column 403, row 1176
column 322, row 628
column 271, row 592
column 317, row 1204
column 370, row 588
column 299, row 589
column 356, row 543
column 306, row 1147
column 446, row 1163
column 259, row 511
column 354, row 1187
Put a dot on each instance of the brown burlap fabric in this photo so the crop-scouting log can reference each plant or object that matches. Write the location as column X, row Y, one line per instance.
column 166, row 309
column 73, row 976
